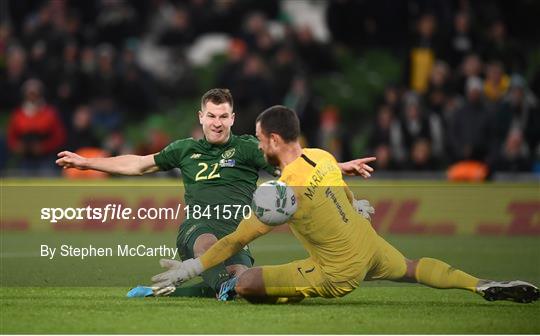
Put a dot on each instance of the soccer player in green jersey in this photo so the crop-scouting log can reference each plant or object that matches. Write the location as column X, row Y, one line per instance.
column 220, row 173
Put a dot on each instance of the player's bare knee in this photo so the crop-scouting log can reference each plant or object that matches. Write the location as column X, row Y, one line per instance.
column 410, row 275
column 250, row 283
column 203, row 243
column 244, row 284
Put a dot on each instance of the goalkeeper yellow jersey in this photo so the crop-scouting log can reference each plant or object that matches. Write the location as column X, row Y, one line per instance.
column 335, row 235
column 337, row 238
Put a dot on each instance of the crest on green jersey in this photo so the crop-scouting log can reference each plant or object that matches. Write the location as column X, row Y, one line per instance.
column 228, row 153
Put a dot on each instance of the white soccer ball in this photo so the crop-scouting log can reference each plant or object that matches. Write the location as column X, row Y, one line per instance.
column 274, row 203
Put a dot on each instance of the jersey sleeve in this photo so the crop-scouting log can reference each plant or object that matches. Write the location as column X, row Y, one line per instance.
column 261, row 164
column 171, row 156
column 257, row 157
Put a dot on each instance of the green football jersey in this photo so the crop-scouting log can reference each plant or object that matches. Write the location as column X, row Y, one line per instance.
column 216, row 174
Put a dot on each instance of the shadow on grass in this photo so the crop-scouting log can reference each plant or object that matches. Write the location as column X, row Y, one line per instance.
column 55, row 299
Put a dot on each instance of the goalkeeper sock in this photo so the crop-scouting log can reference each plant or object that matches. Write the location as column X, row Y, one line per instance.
column 215, row 276
column 438, row 274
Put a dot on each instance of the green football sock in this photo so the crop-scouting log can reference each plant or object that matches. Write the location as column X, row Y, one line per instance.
column 196, row 288
column 215, row 276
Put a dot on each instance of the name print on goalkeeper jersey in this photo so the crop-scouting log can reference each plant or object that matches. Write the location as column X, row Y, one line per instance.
column 325, row 222
column 213, row 175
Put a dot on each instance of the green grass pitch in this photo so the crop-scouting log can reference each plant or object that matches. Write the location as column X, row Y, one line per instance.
column 380, row 307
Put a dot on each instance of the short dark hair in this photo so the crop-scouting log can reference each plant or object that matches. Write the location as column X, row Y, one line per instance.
column 280, row 120
column 217, row 96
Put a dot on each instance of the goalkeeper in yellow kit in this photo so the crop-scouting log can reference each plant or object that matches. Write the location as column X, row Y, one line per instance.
column 343, row 247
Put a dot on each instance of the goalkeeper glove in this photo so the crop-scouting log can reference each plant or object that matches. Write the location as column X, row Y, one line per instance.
column 165, row 283
column 364, row 208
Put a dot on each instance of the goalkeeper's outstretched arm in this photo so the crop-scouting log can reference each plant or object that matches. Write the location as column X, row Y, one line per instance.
column 247, row 231
column 123, row 165
column 361, row 206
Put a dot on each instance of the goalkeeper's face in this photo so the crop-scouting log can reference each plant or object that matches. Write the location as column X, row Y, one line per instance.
column 268, row 145
column 216, row 121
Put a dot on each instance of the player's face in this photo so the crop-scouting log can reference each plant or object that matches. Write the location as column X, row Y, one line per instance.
column 267, row 146
column 216, row 122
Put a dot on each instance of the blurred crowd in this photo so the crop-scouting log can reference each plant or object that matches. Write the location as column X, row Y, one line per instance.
column 73, row 74
column 464, row 98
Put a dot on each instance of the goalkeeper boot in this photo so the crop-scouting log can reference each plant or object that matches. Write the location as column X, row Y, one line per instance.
column 227, row 290
column 140, row 291
column 517, row 291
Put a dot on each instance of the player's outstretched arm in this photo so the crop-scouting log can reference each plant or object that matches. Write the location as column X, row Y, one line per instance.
column 358, row 167
column 248, row 230
column 123, row 165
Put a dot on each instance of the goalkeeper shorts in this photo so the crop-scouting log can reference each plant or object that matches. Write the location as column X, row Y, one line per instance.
column 303, row 278
column 306, row 278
